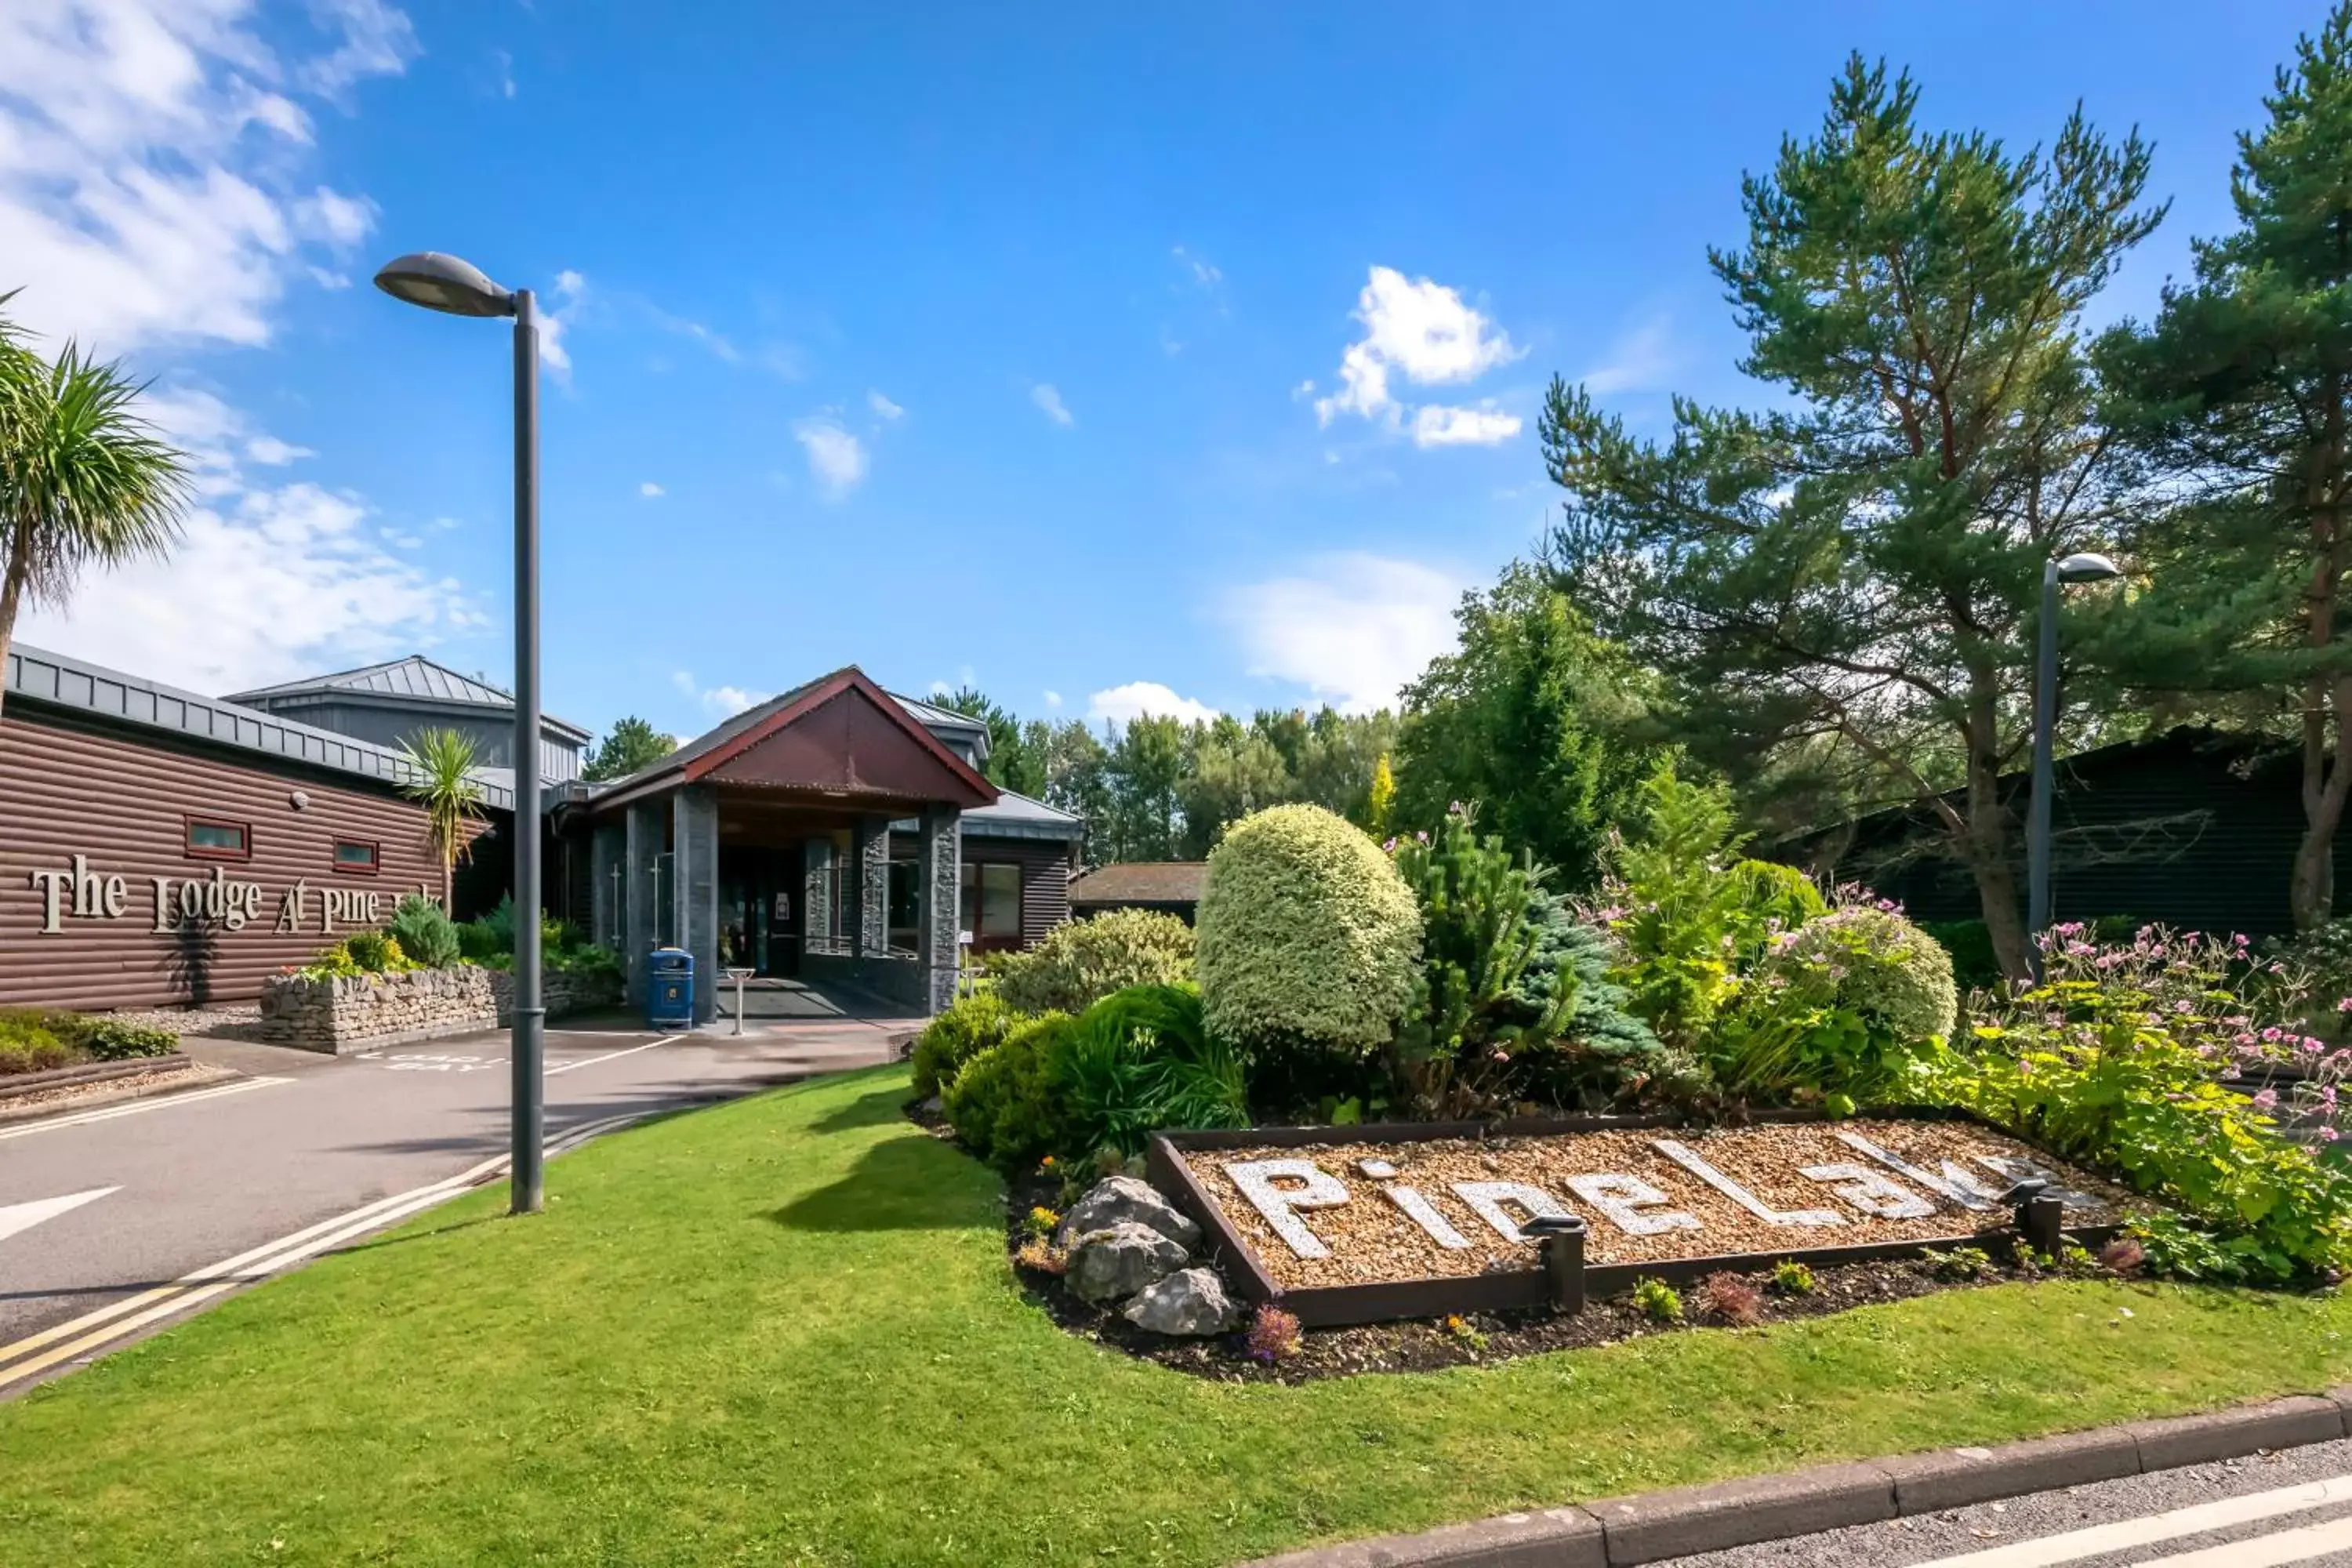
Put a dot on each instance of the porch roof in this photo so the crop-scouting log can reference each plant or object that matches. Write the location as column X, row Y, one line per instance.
column 840, row 740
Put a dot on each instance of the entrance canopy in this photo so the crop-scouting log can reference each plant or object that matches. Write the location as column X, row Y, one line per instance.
column 765, row 844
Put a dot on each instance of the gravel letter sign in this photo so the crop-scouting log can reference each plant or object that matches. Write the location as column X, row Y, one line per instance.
column 1373, row 1223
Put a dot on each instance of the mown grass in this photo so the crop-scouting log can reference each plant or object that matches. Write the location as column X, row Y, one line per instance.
column 783, row 1331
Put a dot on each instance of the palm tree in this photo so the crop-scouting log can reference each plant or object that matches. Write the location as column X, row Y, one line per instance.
column 84, row 480
column 441, row 765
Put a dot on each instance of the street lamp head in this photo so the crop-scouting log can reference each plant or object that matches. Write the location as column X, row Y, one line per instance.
column 445, row 283
column 2087, row 567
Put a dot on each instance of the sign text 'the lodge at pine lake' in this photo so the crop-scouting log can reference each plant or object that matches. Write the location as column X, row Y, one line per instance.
column 77, row 892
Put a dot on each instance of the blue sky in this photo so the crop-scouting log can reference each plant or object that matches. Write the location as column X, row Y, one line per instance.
column 960, row 346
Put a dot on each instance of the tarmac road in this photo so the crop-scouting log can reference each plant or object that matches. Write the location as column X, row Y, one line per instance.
column 2291, row 1507
column 106, row 1215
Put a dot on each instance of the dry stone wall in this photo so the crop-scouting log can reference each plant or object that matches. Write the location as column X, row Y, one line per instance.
column 343, row 1012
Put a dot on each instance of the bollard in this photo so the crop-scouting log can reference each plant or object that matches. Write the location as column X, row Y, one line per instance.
column 1563, row 1255
column 2042, row 1218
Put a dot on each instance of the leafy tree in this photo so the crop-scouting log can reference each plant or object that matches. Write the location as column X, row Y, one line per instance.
column 1531, row 721
column 1077, row 778
column 1230, row 772
column 84, row 480
column 440, row 767
column 1016, row 757
column 1862, row 567
column 1147, row 764
column 632, row 743
column 2240, row 395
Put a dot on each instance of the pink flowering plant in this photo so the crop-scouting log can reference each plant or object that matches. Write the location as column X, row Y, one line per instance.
column 2118, row 1060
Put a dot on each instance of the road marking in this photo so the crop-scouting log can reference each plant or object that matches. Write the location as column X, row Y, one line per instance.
column 24, row 1216
column 133, row 1107
column 611, row 1056
column 2125, row 1534
column 95, row 1330
column 2269, row 1552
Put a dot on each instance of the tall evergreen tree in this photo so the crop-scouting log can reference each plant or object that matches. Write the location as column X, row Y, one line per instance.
column 1864, row 566
column 1530, row 720
column 2240, row 396
column 632, row 743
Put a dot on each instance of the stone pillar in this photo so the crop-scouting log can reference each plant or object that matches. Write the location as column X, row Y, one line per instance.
column 694, row 848
column 644, row 840
column 608, row 849
column 816, row 895
column 942, row 904
column 870, row 889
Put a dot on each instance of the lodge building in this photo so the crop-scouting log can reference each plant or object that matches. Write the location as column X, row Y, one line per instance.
column 159, row 847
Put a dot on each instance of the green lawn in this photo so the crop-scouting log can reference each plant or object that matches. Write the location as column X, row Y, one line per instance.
column 783, row 1330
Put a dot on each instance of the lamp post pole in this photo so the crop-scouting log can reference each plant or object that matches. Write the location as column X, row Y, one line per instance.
column 458, row 287
column 2078, row 568
column 2037, row 827
column 527, row 1049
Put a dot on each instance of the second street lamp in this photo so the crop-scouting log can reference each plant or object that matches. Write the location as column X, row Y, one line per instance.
column 457, row 288
column 2079, row 568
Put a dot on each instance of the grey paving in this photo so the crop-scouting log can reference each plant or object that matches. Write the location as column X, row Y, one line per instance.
column 201, row 1180
column 1914, row 1543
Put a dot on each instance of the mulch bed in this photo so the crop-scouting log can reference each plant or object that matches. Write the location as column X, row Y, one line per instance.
column 1427, row 1345
column 1420, row 1345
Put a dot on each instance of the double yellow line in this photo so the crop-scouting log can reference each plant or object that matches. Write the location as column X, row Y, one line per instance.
column 93, row 1332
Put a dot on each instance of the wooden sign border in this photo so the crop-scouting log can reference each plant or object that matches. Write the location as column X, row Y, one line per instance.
column 1336, row 1306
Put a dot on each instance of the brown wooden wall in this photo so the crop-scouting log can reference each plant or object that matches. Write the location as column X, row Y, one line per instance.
column 67, row 789
column 1044, row 878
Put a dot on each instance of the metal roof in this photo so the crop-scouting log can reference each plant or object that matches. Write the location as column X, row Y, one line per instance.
column 1015, row 815
column 413, row 679
column 55, row 680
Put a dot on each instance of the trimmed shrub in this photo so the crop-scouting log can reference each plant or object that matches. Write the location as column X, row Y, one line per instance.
column 1002, row 1104
column 1873, row 961
column 28, row 1045
column 965, row 1029
column 1771, row 898
column 112, row 1040
column 1082, row 961
column 1307, row 935
column 425, row 933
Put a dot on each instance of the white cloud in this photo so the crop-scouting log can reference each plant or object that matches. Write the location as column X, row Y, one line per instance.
column 150, row 165
column 283, row 583
column 554, row 318
column 506, row 71
column 883, row 405
column 271, row 452
column 1204, row 272
column 729, row 701
column 1142, row 698
column 1436, row 425
column 1638, row 360
column 837, row 460
column 1352, row 630
column 1050, row 401
column 1053, row 700
column 1416, row 328
column 650, row 490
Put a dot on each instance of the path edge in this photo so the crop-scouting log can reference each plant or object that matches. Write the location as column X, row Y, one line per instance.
column 1651, row 1527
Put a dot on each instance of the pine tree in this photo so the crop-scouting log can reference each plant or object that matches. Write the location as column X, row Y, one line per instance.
column 2240, row 397
column 1862, row 568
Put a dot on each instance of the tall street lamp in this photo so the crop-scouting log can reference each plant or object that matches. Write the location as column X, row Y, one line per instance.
column 445, row 283
column 2081, row 568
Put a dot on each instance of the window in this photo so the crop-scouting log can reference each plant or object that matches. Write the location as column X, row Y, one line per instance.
column 210, row 839
column 355, row 855
column 991, row 911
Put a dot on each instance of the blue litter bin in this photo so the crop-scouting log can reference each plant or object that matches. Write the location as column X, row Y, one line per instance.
column 669, row 988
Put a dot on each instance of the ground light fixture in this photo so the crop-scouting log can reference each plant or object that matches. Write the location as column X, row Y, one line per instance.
column 458, row 287
column 2081, row 567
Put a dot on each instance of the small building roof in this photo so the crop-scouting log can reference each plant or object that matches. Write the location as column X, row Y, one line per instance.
column 1016, row 815
column 413, row 679
column 54, row 680
column 1141, row 884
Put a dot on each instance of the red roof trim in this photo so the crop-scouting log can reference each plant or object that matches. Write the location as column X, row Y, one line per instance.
column 815, row 696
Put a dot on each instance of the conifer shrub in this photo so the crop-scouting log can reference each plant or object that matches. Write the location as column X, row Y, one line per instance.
column 1308, row 937
column 967, row 1027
